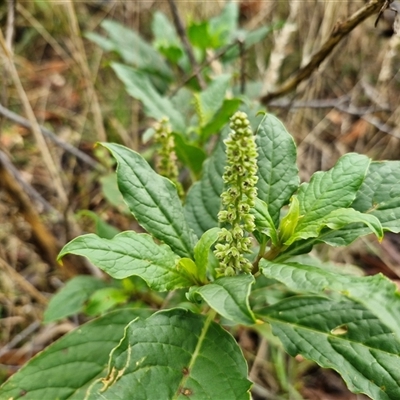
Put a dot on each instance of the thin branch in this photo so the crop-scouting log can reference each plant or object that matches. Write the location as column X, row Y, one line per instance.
column 342, row 104
column 185, row 41
column 47, row 158
column 29, row 190
column 5, row 112
column 46, row 244
column 10, row 23
column 340, row 31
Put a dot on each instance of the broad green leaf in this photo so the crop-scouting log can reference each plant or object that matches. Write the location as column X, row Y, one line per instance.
column 139, row 86
column 182, row 100
column 175, row 354
column 210, row 100
column 229, row 296
column 223, row 27
column 379, row 194
column 338, row 219
column 65, row 369
column 199, row 35
column 163, row 29
column 221, row 118
column 191, row 156
column 104, row 299
column 328, row 191
column 203, row 200
column 131, row 253
column 166, row 39
column 344, row 336
column 344, row 216
column 376, row 293
column 202, row 251
column 153, row 200
column 109, row 187
column 102, row 228
column 71, row 298
column 131, row 47
column 263, row 220
column 277, row 170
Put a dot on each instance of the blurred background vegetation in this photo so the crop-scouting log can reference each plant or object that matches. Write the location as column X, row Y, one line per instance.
column 48, row 196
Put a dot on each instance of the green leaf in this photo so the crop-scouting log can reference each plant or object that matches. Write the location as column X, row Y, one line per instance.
column 138, row 85
column 203, row 200
column 71, row 298
column 229, row 296
column 132, row 48
column 166, row 39
column 344, row 336
column 379, row 194
column 175, row 354
column 263, row 221
column 190, row 155
column 277, row 170
column 221, row 118
column 199, row 36
column 338, row 219
column 104, row 299
column 131, row 253
column 202, row 251
column 328, row 191
column 65, row 369
column 153, row 200
column 376, row 293
column 102, row 228
column 223, row 27
column 210, row 100
column 109, row 187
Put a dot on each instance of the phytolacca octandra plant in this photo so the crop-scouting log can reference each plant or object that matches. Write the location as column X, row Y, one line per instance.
column 240, row 178
column 167, row 160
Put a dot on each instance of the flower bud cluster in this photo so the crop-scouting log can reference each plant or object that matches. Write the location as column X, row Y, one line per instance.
column 166, row 164
column 240, row 178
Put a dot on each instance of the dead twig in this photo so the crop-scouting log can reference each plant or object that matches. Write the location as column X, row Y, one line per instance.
column 47, row 245
column 32, row 193
column 5, row 112
column 47, row 158
column 23, row 283
column 339, row 32
column 342, row 104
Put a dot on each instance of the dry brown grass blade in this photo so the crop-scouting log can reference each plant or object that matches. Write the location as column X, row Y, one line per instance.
column 23, row 283
column 340, row 31
column 46, row 243
column 81, row 59
column 47, row 158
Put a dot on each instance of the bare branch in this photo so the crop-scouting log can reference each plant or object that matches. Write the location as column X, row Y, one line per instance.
column 340, row 31
column 188, row 48
column 5, row 112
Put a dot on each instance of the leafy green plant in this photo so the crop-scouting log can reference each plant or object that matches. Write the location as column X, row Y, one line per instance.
column 161, row 77
column 219, row 248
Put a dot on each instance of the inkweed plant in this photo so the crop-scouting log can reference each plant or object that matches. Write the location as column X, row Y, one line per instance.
column 249, row 222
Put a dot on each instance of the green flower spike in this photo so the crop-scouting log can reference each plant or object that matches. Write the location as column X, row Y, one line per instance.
column 166, row 165
column 240, row 178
